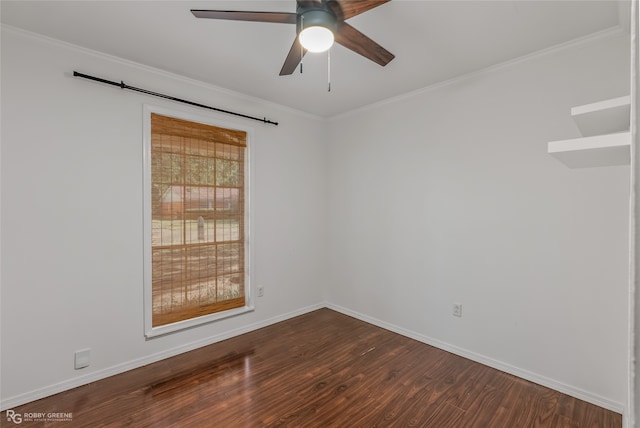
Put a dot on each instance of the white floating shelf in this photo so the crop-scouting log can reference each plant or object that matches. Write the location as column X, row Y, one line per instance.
column 599, row 150
column 603, row 117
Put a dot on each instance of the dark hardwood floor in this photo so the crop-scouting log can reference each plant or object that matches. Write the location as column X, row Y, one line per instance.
column 322, row 369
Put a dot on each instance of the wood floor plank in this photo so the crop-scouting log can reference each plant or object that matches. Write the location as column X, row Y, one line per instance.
column 322, row 369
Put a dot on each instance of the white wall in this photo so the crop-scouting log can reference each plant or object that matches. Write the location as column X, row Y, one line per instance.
column 448, row 195
column 72, row 254
column 444, row 196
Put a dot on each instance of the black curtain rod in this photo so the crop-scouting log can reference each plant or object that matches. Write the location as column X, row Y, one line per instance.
column 122, row 85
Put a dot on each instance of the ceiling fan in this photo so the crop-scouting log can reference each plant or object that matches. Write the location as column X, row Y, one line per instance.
column 319, row 23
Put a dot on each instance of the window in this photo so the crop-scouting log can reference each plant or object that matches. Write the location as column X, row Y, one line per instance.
column 195, row 260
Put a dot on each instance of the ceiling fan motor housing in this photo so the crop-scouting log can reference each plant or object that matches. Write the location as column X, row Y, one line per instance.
column 316, row 17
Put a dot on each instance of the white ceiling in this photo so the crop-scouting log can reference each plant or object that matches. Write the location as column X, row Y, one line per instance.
column 433, row 41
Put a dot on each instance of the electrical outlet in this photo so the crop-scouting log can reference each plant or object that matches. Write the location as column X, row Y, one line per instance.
column 260, row 291
column 457, row 309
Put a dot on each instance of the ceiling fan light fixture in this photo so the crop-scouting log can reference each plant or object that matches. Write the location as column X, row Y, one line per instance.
column 316, row 38
column 316, row 28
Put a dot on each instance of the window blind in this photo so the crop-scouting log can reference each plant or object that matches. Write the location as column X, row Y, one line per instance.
column 198, row 215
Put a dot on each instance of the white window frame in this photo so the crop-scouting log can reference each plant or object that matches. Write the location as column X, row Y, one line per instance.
column 149, row 330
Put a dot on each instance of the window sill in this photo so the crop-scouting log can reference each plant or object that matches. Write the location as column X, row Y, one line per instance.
column 151, row 332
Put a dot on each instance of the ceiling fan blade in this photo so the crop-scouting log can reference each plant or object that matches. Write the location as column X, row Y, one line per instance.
column 353, row 39
column 293, row 58
column 276, row 17
column 345, row 9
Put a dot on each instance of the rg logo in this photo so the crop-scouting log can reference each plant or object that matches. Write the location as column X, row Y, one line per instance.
column 14, row 417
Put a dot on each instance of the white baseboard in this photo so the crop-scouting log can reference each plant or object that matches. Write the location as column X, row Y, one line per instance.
column 133, row 364
column 507, row 368
column 37, row 394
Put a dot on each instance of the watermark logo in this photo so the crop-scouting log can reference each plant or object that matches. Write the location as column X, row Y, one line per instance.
column 14, row 417
column 18, row 418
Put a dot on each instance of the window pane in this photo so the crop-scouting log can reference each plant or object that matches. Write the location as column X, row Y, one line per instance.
column 230, row 286
column 201, row 262
column 167, row 232
column 230, row 258
column 200, row 170
column 168, row 276
column 227, row 230
column 201, row 271
column 228, row 173
column 167, row 167
column 197, row 224
column 199, row 202
column 200, row 230
column 228, row 202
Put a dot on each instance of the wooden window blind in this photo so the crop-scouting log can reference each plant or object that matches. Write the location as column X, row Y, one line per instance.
column 197, row 219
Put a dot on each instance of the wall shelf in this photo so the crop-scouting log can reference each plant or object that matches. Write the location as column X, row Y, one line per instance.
column 599, row 150
column 606, row 138
column 604, row 117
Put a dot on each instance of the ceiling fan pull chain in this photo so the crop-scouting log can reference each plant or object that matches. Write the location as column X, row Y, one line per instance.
column 301, row 47
column 329, row 70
